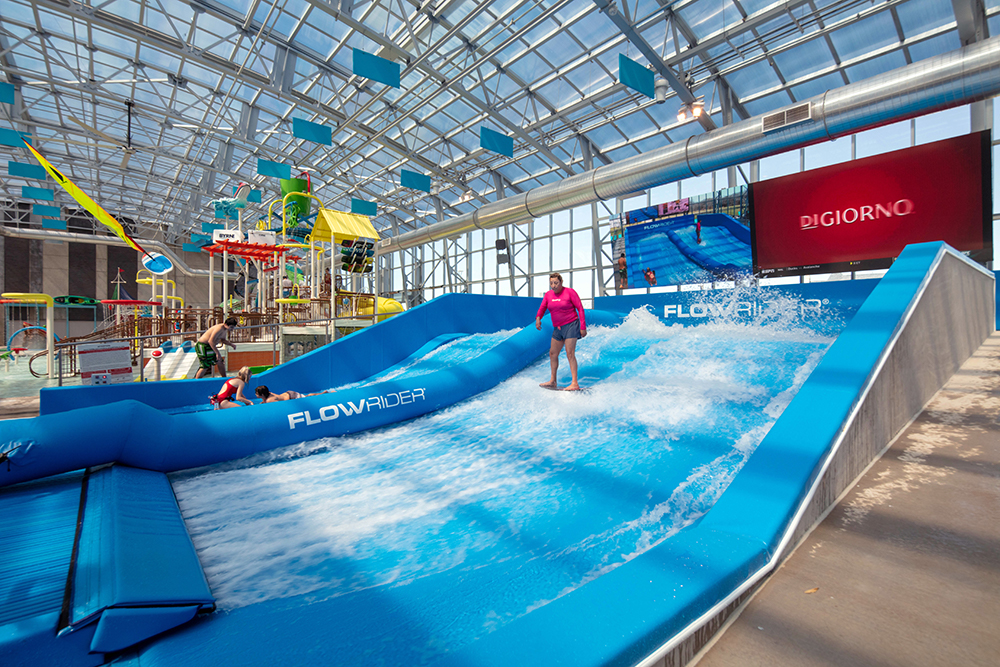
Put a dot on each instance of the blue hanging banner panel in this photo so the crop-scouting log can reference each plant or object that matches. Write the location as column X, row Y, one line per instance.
column 209, row 227
column 320, row 134
column 376, row 69
column 635, row 76
column 12, row 138
column 37, row 193
column 48, row 223
column 362, row 207
column 275, row 169
column 496, row 142
column 46, row 211
column 415, row 181
column 7, row 93
column 36, row 171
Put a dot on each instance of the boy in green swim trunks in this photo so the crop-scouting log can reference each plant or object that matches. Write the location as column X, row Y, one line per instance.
column 208, row 353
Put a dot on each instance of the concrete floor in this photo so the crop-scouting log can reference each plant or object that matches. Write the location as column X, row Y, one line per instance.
column 906, row 568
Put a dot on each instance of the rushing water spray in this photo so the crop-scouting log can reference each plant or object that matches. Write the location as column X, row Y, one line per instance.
column 517, row 496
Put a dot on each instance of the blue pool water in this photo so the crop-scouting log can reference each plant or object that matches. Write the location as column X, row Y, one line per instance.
column 466, row 519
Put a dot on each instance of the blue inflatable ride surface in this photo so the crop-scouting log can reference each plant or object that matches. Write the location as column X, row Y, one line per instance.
column 135, row 431
column 518, row 526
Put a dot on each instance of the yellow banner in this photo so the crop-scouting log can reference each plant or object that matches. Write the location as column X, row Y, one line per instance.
column 85, row 201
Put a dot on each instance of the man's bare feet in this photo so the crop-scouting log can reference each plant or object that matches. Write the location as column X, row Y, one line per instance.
column 548, row 385
column 573, row 387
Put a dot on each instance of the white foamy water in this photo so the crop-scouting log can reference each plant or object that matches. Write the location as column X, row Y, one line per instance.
column 539, row 491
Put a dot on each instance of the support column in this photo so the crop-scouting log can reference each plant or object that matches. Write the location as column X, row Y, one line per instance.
column 225, row 281
column 211, row 280
column 982, row 116
column 595, row 227
column 101, row 272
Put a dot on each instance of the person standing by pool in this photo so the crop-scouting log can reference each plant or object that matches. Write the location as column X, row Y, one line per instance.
column 568, row 325
column 622, row 272
column 208, row 353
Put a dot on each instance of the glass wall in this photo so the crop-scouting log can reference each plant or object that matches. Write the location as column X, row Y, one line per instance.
column 564, row 242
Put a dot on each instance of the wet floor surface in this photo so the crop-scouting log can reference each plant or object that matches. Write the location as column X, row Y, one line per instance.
column 906, row 569
column 19, row 407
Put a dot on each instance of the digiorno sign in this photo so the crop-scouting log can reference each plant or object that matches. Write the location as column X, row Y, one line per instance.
column 861, row 214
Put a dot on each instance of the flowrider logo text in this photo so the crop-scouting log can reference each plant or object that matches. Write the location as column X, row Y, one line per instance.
column 335, row 411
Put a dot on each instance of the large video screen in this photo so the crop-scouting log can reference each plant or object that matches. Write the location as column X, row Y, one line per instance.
column 683, row 241
column 861, row 214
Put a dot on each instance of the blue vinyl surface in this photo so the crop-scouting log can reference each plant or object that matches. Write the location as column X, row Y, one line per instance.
column 37, row 525
column 123, row 627
column 489, row 533
column 134, row 549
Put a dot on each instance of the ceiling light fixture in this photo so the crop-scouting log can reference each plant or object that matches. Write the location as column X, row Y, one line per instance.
column 693, row 109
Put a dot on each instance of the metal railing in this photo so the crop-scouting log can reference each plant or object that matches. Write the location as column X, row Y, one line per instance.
column 153, row 332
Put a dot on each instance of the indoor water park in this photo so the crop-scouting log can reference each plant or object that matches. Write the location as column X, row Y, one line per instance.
column 559, row 333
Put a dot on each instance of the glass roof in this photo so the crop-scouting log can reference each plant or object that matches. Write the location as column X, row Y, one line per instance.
column 216, row 85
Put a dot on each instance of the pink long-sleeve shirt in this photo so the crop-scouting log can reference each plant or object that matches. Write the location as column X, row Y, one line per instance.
column 563, row 307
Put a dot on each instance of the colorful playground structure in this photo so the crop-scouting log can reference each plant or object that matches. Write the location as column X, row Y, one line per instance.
column 50, row 348
column 303, row 280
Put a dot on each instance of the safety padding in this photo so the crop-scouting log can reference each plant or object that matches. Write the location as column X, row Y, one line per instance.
column 349, row 359
column 136, row 572
column 37, row 528
column 120, row 628
column 143, row 437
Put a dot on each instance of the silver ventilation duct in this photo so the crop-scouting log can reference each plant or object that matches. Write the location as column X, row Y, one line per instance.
column 967, row 75
column 52, row 235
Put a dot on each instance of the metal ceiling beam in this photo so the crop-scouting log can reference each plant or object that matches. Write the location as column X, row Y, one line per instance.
column 625, row 27
column 454, row 81
column 970, row 15
column 226, row 67
column 946, row 81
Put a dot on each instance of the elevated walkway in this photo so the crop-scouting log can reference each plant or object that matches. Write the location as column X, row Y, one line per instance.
column 905, row 569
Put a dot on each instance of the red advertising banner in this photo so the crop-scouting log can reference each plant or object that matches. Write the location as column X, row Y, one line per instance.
column 861, row 214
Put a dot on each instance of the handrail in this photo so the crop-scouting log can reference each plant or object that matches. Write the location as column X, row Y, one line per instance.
column 284, row 209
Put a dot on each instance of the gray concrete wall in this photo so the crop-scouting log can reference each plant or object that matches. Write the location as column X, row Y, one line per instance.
column 952, row 319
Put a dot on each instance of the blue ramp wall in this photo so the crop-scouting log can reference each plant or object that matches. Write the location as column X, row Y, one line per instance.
column 347, row 360
column 135, row 434
column 823, row 307
column 626, row 614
